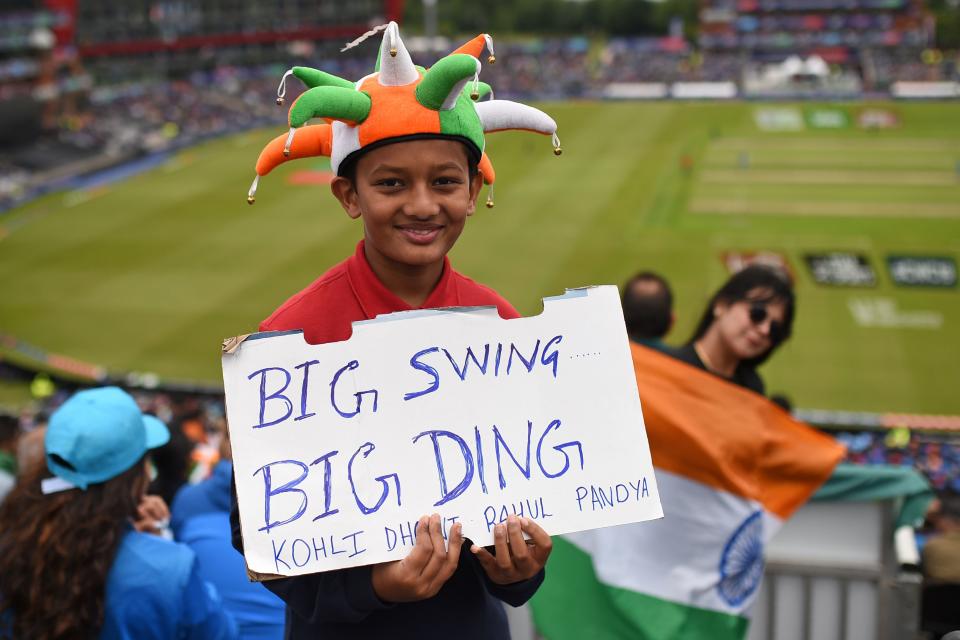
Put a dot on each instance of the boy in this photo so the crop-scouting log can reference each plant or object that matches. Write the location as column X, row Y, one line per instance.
column 407, row 148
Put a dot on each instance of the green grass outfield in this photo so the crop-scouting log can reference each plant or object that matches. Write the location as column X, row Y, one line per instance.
column 150, row 274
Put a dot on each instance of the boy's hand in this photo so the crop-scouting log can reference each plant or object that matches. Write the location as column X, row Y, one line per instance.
column 427, row 567
column 516, row 559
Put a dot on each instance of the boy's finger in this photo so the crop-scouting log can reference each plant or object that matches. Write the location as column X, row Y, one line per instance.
column 518, row 546
column 502, row 548
column 419, row 556
column 454, row 543
column 541, row 539
column 486, row 559
column 439, row 553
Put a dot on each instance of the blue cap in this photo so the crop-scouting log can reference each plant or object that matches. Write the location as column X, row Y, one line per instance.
column 98, row 434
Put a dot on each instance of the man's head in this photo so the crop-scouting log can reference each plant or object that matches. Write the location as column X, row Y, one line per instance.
column 647, row 306
column 414, row 198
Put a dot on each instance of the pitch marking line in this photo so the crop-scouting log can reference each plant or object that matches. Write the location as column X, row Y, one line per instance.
column 838, row 144
column 853, row 209
column 820, row 176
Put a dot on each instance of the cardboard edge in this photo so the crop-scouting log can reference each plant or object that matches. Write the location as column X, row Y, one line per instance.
column 230, row 345
column 254, row 576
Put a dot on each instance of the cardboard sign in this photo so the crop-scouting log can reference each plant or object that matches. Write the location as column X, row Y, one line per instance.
column 340, row 448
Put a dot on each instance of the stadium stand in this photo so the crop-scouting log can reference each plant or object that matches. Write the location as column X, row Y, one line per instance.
column 85, row 86
column 856, row 37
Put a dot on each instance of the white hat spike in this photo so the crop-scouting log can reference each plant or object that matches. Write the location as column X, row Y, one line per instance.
column 500, row 115
column 396, row 66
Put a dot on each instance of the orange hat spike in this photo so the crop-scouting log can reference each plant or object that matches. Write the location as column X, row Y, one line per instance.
column 486, row 169
column 475, row 47
column 311, row 140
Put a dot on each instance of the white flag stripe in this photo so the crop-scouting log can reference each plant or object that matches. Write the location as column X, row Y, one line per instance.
column 679, row 557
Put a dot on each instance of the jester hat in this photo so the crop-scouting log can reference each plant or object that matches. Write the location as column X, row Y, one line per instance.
column 398, row 101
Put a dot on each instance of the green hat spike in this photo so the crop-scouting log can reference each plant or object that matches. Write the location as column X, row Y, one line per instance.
column 337, row 103
column 444, row 81
column 316, row 78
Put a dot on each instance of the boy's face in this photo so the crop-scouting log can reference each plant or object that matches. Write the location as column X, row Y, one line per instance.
column 414, row 198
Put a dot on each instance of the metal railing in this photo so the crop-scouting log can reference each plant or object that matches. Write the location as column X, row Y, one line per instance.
column 817, row 594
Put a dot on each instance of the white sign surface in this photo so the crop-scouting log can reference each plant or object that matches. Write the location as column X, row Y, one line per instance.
column 339, row 448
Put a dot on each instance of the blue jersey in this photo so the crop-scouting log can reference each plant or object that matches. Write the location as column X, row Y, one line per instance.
column 154, row 590
column 200, row 518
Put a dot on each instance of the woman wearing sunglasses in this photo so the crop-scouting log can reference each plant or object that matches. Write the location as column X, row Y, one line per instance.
column 743, row 324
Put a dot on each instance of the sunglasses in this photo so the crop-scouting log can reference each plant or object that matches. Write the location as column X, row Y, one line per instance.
column 758, row 313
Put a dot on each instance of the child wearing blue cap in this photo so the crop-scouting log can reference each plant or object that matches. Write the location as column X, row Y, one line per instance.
column 71, row 563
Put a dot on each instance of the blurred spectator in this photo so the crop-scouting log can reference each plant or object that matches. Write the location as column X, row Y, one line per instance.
column 648, row 309
column 941, row 569
column 201, row 520
column 30, row 449
column 9, row 433
column 742, row 325
column 941, row 553
column 72, row 564
column 172, row 463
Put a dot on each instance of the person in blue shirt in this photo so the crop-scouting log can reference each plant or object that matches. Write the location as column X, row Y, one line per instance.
column 71, row 563
column 200, row 518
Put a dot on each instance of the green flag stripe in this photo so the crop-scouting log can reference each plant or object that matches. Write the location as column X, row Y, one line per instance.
column 571, row 603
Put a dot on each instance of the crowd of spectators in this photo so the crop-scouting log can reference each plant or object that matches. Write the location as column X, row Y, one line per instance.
column 936, row 456
column 887, row 66
column 140, row 105
column 196, row 421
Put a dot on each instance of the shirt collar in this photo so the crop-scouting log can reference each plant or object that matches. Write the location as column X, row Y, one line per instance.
column 376, row 299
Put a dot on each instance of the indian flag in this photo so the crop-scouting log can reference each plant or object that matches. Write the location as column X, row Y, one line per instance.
column 731, row 467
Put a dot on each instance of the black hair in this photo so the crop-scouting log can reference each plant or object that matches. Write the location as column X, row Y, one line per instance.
column 776, row 286
column 783, row 401
column 172, row 462
column 348, row 166
column 648, row 314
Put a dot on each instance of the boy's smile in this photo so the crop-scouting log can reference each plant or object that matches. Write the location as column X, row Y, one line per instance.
column 414, row 198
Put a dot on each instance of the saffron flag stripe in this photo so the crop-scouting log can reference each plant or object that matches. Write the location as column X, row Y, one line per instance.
column 727, row 437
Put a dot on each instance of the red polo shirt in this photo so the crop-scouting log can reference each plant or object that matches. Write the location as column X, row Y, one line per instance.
column 351, row 291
